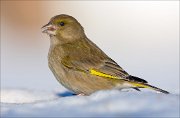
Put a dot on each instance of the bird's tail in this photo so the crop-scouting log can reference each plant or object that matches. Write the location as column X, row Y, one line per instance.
column 145, row 85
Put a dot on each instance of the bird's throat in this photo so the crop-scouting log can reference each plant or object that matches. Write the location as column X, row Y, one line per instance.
column 54, row 41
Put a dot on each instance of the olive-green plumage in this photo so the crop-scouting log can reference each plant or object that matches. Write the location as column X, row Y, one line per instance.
column 79, row 65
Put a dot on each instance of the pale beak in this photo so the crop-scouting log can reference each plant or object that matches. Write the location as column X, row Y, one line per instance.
column 49, row 29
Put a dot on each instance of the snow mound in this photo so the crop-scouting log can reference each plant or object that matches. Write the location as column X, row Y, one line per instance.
column 111, row 103
column 25, row 96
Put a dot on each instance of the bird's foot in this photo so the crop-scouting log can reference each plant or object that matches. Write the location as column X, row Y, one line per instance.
column 81, row 94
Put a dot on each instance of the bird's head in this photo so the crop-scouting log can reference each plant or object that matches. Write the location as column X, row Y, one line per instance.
column 64, row 27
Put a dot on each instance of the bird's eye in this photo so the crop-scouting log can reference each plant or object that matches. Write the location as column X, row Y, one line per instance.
column 61, row 23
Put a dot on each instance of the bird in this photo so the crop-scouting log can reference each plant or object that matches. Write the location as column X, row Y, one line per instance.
column 80, row 65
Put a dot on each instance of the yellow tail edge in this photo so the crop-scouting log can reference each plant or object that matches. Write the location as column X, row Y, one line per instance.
column 143, row 85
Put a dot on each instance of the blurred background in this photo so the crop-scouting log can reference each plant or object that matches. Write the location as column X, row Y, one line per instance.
column 141, row 36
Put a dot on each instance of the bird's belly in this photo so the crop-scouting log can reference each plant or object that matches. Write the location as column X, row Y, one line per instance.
column 79, row 82
column 59, row 72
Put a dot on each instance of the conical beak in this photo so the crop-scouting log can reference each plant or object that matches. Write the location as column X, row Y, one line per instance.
column 49, row 29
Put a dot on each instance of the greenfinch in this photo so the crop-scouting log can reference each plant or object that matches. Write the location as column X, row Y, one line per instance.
column 80, row 65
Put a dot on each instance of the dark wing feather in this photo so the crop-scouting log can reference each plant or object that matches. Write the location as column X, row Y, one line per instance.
column 112, row 68
column 136, row 79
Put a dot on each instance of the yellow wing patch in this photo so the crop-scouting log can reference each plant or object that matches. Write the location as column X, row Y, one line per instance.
column 140, row 85
column 134, row 84
column 97, row 73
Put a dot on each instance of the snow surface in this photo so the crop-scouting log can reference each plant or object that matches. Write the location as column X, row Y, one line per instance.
column 23, row 103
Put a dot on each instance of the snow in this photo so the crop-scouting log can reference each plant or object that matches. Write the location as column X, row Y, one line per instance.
column 24, row 96
column 23, row 102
